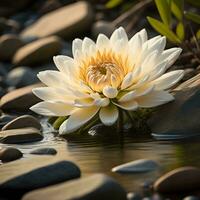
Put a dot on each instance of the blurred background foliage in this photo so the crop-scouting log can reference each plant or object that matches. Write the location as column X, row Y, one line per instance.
column 20, row 60
column 178, row 23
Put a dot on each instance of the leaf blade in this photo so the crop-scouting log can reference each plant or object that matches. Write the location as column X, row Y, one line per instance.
column 194, row 2
column 193, row 17
column 164, row 30
column 163, row 7
column 180, row 31
column 177, row 9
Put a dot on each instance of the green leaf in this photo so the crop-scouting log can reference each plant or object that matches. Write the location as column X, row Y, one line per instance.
column 180, row 31
column 163, row 7
column 193, row 17
column 177, row 7
column 163, row 29
column 113, row 3
column 198, row 34
column 194, row 2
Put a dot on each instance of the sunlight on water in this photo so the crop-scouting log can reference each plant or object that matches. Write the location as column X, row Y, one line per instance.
column 100, row 154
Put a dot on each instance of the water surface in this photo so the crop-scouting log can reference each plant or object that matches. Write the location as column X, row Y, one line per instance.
column 101, row 154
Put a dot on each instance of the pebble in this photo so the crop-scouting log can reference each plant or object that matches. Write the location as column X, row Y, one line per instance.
column 157, row 197
column 4, row 119
column 191, row 198
column 28, row 174
column 179, row 180
column 9, row 7
column 102, row 130
column 38, row 51
column 48, row 6
column 136, row 166
column 3, row 71
column 9, row 154
column 9, row 44
column 147, row 184
column 192, row 82
column 20, row 99
column 96, row 187
column 189, row 73
column 62, row 22
column 21, row 77
column 23, row 121
column 8, row 25
column 23, row 135
column 44, row 151
column 185, row 108
column 102, row 27
column 133, row 196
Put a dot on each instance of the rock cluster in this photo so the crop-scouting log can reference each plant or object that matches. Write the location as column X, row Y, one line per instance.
column 31, row 33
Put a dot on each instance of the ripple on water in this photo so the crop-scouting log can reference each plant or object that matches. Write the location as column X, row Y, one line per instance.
column 100, row 154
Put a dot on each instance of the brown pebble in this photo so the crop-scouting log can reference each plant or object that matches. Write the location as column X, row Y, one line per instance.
column 10, row 154
column 178, row 180
column 23, row 121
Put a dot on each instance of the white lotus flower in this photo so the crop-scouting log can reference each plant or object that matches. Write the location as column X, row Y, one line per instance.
column 107, row 75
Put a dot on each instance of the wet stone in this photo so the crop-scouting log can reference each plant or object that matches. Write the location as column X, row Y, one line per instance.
column 3, row 71
column 147, row 185
column 23, row 135
column 96, row 187
column 102, row 27
column 189, row 73
column 19, row 177
column 55, row 25
column 23, row 121
column 178, row 180
column 20, row 99
column 10, row 154
column 4, row 119
column 178, row 119
column 44, row 151
column 9, row 44
column 156, row 197
column 38, row 51
column 102, row 130
column 137, row 166
column 133, row 196
column 10, row 7
column 21, row 77
column 191, row 198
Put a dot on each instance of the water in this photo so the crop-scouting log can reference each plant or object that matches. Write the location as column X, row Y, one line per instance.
column 101, row 154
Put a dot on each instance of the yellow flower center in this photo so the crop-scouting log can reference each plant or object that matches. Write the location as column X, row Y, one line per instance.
column 103, row 69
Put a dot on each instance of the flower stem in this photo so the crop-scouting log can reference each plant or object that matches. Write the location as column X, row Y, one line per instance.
column 89, row 125
column 57, row 123
column 120, row 124
column 129, row 116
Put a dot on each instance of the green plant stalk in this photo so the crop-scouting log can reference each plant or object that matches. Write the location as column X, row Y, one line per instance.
column 120, row 124
column 51, row 120
column 194, row 36
column 186, row 45
column 57, row 123
column 89, row 125
column 129, row 117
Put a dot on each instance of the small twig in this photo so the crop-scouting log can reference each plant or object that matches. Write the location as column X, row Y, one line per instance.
column 137, row 8
column 186, row 45
column 194, row 36
column 120, row 123
column 120, row 130
column 129, row 116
